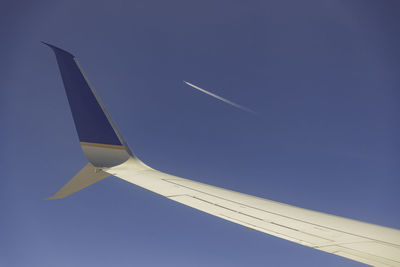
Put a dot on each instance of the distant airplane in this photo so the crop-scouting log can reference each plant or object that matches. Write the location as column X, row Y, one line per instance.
column 220, row 98
column 109, row 154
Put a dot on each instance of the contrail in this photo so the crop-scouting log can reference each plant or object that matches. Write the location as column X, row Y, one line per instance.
column 220, row 98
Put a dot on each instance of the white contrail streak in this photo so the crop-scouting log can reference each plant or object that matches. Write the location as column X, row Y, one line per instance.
column 220, row 98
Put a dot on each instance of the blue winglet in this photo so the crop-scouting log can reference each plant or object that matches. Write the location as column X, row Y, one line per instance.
column 91, row 122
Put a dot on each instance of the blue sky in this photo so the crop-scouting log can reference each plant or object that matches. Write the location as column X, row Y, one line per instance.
column 322, row 76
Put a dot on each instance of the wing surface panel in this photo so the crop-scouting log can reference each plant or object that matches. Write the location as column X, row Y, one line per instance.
column 363, row 242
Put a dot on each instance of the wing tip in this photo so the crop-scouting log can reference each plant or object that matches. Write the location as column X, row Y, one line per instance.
column 50, row 198
column 57, row 50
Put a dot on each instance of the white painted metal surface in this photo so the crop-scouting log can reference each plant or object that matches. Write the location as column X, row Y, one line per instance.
column 359, row 241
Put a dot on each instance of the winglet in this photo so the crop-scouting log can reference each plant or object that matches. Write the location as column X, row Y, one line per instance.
column 58, row 50
column 85, row 177
column 99, row 137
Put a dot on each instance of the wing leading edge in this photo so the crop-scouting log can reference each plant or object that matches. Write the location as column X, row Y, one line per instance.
column 109, row 155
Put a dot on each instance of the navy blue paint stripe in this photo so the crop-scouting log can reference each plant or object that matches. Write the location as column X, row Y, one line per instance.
column 91, row 123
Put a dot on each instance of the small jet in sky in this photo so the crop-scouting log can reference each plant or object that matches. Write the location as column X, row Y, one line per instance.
column 219, row 98
column 109, row 155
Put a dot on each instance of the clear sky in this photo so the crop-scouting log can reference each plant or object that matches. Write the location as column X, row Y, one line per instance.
column 323, row 77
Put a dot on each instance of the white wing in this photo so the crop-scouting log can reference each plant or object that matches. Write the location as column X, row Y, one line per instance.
column 108, row 153
column 359, row 241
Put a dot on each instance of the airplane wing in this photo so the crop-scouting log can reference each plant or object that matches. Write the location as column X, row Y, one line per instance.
column 109, row 154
